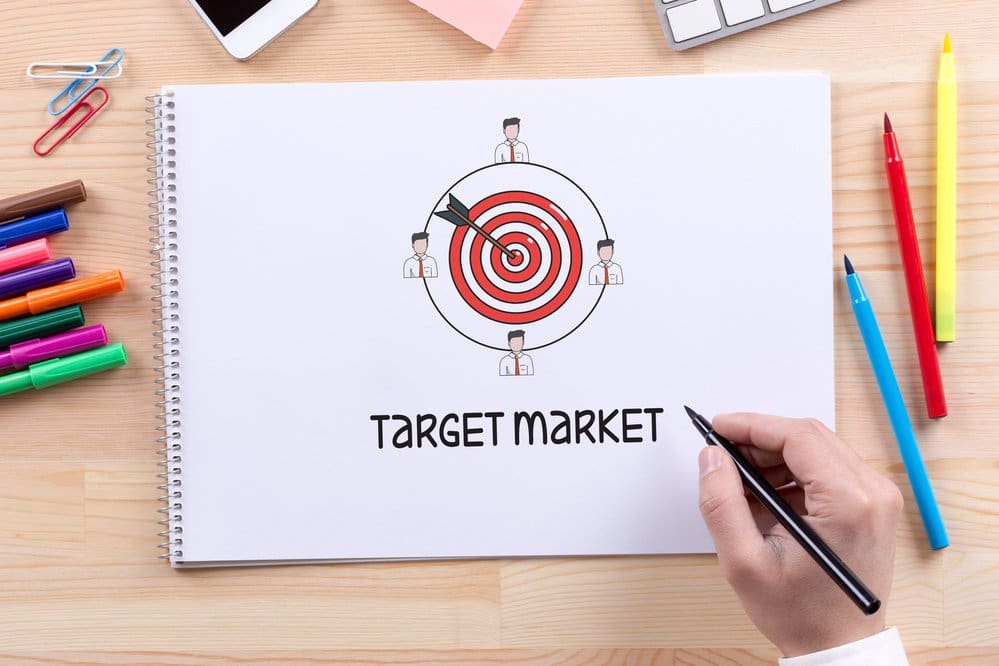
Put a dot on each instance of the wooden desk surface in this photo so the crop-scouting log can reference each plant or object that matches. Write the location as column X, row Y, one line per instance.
column 79, row 580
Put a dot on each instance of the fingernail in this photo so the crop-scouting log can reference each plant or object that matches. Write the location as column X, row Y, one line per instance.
column 710, row 460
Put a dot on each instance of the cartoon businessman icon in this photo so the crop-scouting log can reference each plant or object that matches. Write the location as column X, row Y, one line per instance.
column 421, row 264
column 516, row 363
column 606, row 272
column 511, row 150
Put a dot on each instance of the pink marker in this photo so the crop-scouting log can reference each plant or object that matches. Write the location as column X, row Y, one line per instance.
column 27, row 254
column 23, row 354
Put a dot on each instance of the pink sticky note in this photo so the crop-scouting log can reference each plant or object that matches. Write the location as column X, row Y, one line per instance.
column 485, row 21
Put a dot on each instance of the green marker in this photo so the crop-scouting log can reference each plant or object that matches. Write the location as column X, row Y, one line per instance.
column 61, row 370
column 40, row 326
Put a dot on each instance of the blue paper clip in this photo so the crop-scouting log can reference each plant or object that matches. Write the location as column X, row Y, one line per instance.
column 72, row 92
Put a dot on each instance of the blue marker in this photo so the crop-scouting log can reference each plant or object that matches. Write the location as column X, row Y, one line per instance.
column 897, row 414
column 33, row 227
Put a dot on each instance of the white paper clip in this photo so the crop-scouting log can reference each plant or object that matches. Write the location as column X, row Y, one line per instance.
column 106, row 69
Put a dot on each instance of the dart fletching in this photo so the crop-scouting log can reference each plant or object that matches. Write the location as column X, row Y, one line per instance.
column 458, row 216
column 451, row 217
column 458, row 206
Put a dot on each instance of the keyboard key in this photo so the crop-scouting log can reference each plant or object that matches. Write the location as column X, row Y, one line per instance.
column 740, row 11
column 781, row 5
column 693, row 19
column 698, row 22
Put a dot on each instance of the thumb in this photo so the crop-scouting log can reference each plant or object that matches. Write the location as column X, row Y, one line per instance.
column 726, row 511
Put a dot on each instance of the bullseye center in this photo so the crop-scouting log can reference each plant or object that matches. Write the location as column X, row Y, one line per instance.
column 517, row 259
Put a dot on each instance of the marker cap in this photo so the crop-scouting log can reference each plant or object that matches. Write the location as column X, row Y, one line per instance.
column 60, row 370
column 35, row 277
column 34, row 227
column 28, row 328
column 72, row 292
column 42, row 200
column 28, row 254
column 77, row 291
column 23, row 354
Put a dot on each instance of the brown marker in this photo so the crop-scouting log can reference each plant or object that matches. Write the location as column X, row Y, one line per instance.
column 22, row 205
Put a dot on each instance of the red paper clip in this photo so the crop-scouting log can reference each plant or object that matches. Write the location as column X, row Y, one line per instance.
column 89, row 112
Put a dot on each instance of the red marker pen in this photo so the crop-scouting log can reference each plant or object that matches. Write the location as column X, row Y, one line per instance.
column 915, row 283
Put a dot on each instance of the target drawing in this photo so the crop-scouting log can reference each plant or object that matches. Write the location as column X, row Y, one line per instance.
column 517, row 238
column 520, row 279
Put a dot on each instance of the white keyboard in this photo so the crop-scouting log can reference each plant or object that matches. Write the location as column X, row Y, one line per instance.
column 692, row 22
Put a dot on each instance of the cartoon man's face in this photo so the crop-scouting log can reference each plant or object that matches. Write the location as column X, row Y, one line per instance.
column 517, row 344
column 420, row 245
column 511, row 131
column 606, row 253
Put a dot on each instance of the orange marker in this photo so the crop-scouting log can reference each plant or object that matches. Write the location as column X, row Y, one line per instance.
column 61, row 295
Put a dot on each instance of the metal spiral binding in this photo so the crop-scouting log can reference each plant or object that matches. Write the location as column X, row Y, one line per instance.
column 163, row 229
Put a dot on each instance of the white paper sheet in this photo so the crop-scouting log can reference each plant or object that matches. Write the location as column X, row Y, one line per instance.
column 296, row 207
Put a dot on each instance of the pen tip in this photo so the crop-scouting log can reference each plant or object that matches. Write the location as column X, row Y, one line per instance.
column 946, row 43
column 849, row 266
column 702, row 425
column 887, row 124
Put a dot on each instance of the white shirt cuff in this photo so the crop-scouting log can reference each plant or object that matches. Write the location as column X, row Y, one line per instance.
column 883, row 649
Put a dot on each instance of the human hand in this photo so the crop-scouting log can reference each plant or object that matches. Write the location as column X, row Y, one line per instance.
column 850, row 505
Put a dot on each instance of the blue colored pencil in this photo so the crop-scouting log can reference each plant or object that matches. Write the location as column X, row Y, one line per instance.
column 897, row 414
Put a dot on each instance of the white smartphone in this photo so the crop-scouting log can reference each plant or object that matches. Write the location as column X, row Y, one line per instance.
column 246, row 26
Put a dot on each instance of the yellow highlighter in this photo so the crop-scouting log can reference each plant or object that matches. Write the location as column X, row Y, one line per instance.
column 946, row 195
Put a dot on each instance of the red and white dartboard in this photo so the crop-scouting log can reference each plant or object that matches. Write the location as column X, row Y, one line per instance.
column 540, row 277
column 548, row 227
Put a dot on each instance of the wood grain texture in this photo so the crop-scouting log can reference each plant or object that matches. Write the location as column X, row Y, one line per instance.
column 79, row 583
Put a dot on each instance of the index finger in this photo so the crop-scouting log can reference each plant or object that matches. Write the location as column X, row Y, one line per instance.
column 810, row 450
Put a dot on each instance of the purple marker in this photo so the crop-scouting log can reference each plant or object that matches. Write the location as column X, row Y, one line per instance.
column 23, row 354
column 21, row 282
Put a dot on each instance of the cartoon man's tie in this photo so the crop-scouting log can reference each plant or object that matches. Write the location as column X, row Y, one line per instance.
column 513, row 157
column 606, row 273
column 420, row 259
column 516, row 364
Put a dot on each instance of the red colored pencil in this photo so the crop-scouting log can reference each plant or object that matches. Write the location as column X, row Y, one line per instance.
column 915, row 283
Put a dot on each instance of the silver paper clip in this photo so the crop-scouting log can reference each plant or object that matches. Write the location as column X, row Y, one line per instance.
column 74, row 70
column 79, row 86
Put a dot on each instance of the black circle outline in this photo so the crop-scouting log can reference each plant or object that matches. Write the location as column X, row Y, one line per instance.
column 426, row 228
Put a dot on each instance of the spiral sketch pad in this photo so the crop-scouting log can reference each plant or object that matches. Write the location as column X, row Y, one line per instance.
column 461, row 319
